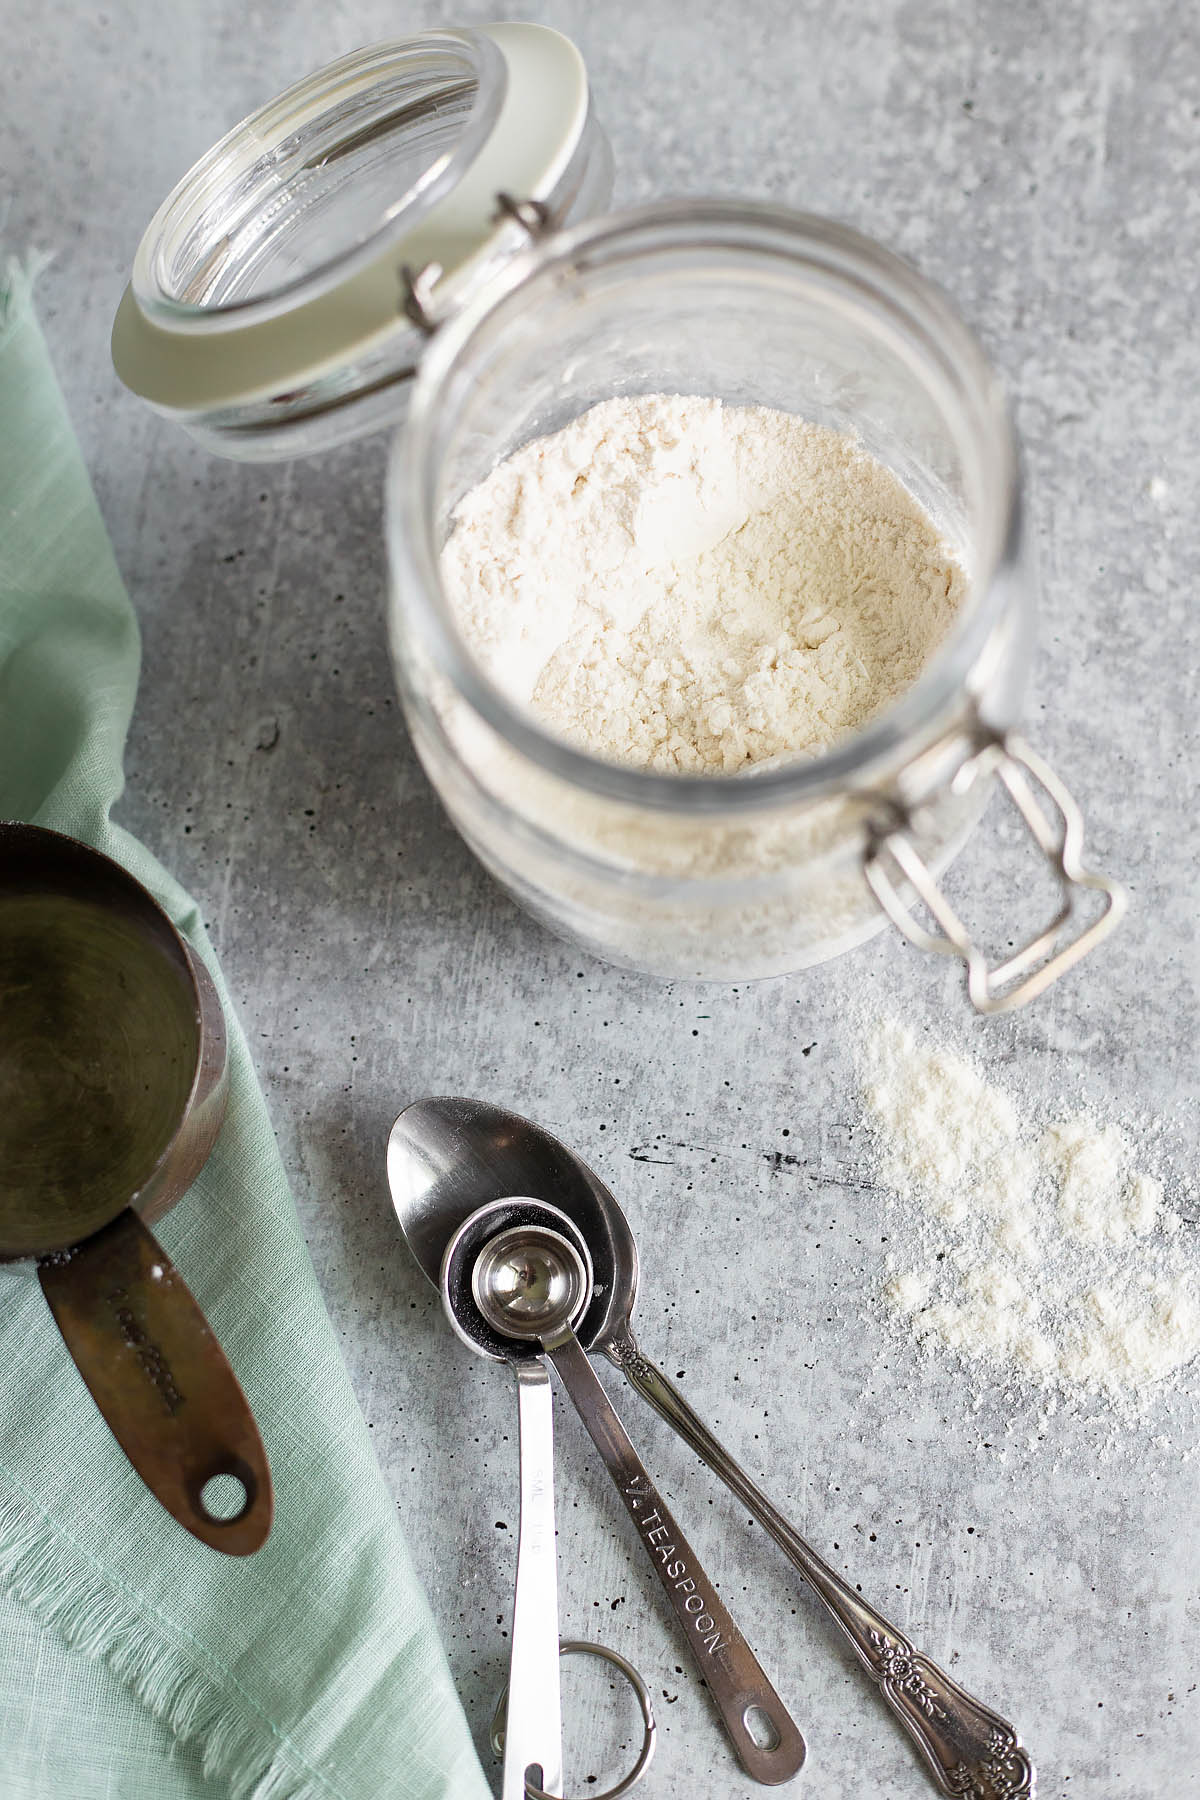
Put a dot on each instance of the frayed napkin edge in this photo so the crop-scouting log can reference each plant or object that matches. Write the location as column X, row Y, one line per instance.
column 97, row 1622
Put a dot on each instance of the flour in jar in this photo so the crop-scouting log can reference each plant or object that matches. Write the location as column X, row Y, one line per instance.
column 684, row 586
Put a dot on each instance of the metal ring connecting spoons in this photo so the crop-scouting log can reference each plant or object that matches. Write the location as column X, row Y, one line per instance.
column 529, row 1283
column 579, row 1647
column 446, row 1157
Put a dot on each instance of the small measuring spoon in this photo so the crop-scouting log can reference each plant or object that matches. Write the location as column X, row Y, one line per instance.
column 533, row 1713
column 529, row 1283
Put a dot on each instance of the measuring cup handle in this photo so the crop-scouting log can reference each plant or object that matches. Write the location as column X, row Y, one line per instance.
column 763, row 1734
column 160, row 1378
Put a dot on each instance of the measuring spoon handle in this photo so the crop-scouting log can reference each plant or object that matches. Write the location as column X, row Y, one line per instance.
column 764, row 1736
column 533, row 1716
column 968, row 1749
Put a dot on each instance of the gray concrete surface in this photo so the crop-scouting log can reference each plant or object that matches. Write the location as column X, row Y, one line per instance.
column 1043, row 163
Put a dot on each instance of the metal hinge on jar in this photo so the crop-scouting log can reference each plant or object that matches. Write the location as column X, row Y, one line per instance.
column 417, row 285
column 891, row 851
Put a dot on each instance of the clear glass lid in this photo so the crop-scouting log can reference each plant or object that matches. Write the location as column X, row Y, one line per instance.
column 318, row 181
column 284, row 289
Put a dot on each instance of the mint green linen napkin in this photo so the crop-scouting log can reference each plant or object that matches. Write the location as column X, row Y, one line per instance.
column 312, row 1669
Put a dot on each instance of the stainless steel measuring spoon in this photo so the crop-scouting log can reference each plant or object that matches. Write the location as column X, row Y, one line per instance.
column 527, row 1728
column 448, row 1156
column 530, row 1283
column 532, row 1732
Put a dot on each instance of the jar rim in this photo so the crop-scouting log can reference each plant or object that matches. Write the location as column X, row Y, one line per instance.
column 951, row 357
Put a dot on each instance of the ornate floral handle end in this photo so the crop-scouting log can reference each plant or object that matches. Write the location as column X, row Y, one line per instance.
column 973, row 1754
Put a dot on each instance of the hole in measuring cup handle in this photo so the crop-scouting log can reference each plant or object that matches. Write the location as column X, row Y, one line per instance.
column 579, row 1647
column 1059, row 835
column 210, row 1491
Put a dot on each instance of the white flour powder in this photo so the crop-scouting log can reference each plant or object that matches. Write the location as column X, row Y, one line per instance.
column 1036, row 1250
column 685, row 586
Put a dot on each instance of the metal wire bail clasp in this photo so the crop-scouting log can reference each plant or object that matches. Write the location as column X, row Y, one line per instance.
column 1059, row 836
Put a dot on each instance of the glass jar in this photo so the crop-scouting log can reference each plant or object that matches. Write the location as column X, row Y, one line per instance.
column 392, row 240
column 770, row 871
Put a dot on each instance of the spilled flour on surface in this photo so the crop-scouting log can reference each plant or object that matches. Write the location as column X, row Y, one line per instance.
column 1036, row 1249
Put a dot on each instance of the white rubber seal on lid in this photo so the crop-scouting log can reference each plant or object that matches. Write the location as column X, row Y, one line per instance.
column 193, row 359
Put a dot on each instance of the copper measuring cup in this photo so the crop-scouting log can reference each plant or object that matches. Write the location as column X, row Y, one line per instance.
column 113, row 1084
